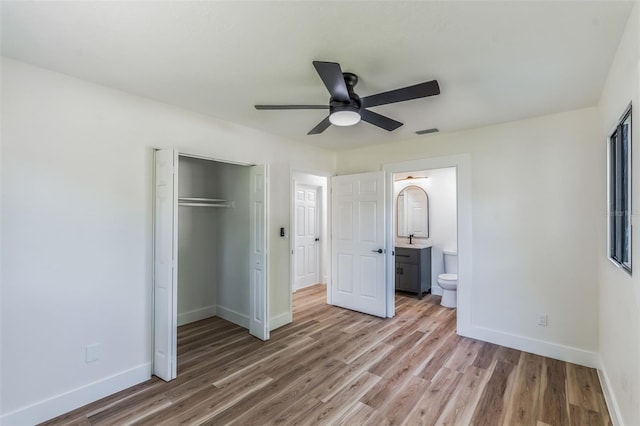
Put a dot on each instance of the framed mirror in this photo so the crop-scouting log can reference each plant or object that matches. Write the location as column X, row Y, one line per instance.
column 413, row 212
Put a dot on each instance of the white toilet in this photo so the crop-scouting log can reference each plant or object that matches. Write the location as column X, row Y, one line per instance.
column 449, row 280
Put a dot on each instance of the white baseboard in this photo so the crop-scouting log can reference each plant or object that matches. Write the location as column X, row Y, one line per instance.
column 233, row 316
column 65, row 402
column 196, row 315
column 296, row 288
column 280, row 320
column 609, row 396
column 534, row 346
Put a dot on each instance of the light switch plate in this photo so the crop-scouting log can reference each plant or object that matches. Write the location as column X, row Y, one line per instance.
column 543, row 319
column 92, row 353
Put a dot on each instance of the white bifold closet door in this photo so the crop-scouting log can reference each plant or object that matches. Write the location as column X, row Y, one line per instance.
column 165, row 285
column 259, row 301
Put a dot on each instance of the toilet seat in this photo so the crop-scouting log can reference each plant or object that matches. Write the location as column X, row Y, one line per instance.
column 448, row 277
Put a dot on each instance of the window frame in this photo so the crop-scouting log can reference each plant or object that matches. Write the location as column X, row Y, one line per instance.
column 619, row 200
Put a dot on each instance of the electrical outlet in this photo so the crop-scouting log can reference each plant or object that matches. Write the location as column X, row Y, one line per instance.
column 543, row 319
column 92, row 353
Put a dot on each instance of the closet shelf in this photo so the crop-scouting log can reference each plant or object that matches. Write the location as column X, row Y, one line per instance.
column 205, row 202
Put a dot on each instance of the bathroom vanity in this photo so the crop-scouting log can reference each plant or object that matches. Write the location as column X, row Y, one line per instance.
column 413, row 268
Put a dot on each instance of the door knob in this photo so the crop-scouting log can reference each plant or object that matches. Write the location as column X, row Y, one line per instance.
column 317, row 239
column 377, row 251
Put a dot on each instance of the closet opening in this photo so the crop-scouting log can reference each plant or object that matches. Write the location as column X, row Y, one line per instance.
column 209, row 245
column 213, row 241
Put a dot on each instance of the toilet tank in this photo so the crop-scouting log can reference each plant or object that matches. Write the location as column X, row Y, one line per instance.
column 450, row 261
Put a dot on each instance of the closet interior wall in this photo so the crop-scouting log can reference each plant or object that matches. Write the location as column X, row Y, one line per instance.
column 213, row 242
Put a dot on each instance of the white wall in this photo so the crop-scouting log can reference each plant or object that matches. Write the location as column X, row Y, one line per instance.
column 76, row 226
column 620, row 292
column 534, row 212
column 440, row 186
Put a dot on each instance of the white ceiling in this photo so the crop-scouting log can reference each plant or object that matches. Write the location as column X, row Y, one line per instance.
column 495, row 61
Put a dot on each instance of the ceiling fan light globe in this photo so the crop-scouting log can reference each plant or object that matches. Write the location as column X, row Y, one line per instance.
column 344, row 118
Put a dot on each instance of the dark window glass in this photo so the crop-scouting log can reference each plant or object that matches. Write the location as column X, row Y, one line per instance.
column 620, row 193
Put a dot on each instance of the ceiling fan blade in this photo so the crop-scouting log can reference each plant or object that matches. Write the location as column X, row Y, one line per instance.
column 421, row 90
column 379, row 120
column 331, row 75
column 321, row 127
column 270, row 107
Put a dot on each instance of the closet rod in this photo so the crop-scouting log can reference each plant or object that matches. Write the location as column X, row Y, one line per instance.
column 227, row 206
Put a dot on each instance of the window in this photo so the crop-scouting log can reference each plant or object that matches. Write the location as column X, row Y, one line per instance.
column 620, row 193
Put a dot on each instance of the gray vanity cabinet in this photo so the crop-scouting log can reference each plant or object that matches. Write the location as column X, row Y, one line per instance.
column 413, row 270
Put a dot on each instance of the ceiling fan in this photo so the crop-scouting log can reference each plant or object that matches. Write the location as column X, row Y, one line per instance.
column 346, row 108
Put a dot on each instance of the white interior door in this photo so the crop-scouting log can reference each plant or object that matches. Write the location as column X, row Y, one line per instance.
column 165, row 264
column 259, row 301
column 358, row 243
column 307, row 236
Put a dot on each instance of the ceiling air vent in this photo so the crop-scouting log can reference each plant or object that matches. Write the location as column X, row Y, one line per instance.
column 427, row 131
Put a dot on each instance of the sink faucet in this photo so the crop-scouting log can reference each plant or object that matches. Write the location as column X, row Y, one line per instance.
column 410, row 238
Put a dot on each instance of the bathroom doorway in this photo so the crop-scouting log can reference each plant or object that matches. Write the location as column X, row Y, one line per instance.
column 461, row 164
column 425, row 218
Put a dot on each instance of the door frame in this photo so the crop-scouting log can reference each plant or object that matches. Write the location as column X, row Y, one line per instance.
column 322, row 181
column 179, row 153
column 462, row 164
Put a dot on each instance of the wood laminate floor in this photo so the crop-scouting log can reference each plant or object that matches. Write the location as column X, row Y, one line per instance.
column 338, row 367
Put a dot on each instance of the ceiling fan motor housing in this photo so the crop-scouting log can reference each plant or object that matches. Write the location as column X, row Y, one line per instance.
column 354, row 100
column 346, row 113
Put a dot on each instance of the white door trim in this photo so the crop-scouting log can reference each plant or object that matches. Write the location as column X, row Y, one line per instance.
column 462, row 163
